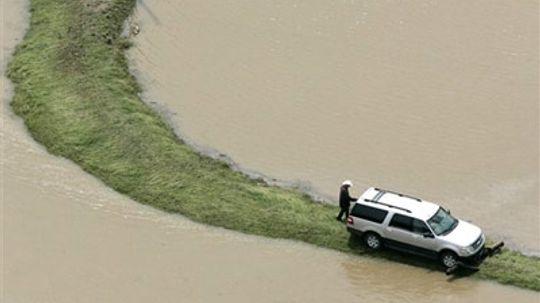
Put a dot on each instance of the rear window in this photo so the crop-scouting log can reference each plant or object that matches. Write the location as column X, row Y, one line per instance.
column 369, row 213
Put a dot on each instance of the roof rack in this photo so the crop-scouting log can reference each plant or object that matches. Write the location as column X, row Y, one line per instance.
column 388, row 205
column 395, row 193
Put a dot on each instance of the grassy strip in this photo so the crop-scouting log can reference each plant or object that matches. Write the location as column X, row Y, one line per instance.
column 76, row 96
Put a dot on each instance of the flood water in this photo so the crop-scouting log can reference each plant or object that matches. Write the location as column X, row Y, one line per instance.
column 68, row 238
column 433, row 98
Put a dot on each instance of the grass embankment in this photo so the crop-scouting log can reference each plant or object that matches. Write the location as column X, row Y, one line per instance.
column 76, row 96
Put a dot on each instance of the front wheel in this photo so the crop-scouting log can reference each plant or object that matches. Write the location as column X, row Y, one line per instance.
column 448, row 258
column 373, row 241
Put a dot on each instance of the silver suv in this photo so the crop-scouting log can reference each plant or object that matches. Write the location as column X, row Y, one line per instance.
column 406, row 223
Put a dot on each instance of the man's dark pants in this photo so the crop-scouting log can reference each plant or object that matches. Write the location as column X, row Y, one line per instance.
column 344, row 210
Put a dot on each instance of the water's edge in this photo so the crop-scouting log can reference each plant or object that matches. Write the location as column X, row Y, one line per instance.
column 40, row 132
column 201, row 72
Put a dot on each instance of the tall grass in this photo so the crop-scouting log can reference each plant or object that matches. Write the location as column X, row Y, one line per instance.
column 77, row 98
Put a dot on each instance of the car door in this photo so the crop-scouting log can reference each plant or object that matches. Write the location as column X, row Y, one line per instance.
column 423, row 238
column 406, row 233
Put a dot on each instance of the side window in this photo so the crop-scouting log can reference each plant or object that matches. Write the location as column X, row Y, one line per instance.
column 402, row 222
column 420, row 227
column 369, row 213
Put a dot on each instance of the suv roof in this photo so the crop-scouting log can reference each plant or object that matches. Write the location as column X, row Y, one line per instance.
column 400, row 203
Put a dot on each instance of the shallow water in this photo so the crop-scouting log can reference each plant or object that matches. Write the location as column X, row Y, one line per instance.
column 433, row 98
column 68, row 238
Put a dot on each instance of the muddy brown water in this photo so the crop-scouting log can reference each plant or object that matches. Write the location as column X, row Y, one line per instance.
column 433, row 98
column 65, row 237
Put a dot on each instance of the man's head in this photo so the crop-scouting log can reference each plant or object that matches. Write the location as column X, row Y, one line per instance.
column 347, row 183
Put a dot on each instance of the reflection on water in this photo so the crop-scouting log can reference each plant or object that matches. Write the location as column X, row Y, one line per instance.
column 433, row 98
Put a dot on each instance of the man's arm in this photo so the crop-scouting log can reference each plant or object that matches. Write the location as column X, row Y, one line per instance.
column 351, row 198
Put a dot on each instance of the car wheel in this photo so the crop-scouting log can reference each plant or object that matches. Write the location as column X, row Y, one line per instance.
column 449, row 259
column 373, row 241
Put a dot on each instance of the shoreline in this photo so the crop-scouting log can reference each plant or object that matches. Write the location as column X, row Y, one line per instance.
column 75, row 93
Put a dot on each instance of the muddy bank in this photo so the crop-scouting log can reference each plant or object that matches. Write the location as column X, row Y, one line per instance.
column 436, row 99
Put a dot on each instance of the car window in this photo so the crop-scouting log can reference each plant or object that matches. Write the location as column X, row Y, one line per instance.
column 420, row 227
column 369, row 213
column 402, row 222
column 442, row 222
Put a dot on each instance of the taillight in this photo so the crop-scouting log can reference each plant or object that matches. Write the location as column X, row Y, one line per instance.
column 349, row 220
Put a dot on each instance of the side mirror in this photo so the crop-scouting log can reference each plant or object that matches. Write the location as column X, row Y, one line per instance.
column 428, row 235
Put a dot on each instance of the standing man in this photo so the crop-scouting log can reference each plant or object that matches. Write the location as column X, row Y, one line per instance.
column 345, row 199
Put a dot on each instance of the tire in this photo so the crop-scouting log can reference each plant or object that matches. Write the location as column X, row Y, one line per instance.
column 448, row 258
column 373, row 241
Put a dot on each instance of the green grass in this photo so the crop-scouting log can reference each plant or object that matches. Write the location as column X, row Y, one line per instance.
column 77, row 98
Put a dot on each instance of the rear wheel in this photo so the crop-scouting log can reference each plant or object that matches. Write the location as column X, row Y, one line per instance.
column 373, row 241
column 448, row 258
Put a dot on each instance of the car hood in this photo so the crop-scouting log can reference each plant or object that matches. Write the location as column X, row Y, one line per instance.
column 464, row 234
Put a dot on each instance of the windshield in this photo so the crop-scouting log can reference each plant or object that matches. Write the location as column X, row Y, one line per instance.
column 442, row 222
